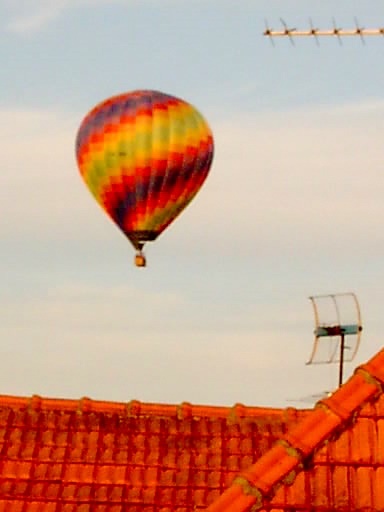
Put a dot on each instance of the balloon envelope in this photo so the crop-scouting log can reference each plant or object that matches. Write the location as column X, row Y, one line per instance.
column 144, row 155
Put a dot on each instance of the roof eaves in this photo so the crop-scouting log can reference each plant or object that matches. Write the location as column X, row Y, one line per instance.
column 254, row 488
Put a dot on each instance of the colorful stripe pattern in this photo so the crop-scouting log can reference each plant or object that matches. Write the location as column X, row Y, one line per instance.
column 144, row 155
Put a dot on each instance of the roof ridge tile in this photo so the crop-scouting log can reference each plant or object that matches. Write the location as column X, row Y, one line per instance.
column 249, row 489
column 368, row 377
column 184, row 411
column 138, row 408
column 84, row 405
column 34, row 403
column 284, row 460
column 375, row 367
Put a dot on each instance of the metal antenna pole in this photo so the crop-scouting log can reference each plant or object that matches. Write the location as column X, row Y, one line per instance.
column 341, row 366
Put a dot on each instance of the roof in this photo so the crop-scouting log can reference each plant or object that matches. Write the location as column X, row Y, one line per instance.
column 101, row 456
column 332, row 460
column 92, row 456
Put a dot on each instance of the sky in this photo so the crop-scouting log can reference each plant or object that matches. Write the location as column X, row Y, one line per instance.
column 293, row 205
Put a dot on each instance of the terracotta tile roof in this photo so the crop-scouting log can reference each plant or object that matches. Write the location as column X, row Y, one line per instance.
column 332, row 460
column 63, row 455
column 92, row 456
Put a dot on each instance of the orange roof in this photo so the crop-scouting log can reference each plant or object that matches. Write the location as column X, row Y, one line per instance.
column 91, row 456
column 101, row 456
column 331, row 460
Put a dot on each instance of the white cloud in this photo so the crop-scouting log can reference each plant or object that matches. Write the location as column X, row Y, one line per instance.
column 38, row 172
column 124, row 343
column 28, row 16
column 288, row 185
column 137, row 341
column 293, row 179
column 302, row 178
column 31, row 15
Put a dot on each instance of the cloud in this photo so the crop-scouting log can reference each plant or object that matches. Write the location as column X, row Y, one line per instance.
column 39, row 169
column 293, row 179
column 79, row 337
column 29, row 16
column 218, row 300
column 121, row 343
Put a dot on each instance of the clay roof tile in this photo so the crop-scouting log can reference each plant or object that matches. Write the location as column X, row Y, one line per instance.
column 86, row 455
column 280, row 466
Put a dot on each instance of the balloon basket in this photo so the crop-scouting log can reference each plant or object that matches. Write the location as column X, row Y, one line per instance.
column 140, row 260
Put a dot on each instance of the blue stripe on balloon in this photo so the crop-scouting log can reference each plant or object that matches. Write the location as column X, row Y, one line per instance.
column 123, row 206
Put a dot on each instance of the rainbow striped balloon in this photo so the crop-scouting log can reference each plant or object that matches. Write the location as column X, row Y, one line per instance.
column 144, row 155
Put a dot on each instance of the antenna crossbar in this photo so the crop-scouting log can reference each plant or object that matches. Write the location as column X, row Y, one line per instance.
column 315, row 33
column 327, row 33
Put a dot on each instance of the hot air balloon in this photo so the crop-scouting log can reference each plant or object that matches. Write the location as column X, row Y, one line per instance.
column 144, row 155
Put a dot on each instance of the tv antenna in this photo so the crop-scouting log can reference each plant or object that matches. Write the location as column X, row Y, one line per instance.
column 315, row 33
column 337, row 316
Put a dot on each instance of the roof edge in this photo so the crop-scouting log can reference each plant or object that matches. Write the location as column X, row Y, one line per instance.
column 137, row 408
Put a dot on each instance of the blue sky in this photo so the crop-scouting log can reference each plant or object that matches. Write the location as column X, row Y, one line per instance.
column 293, row 205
